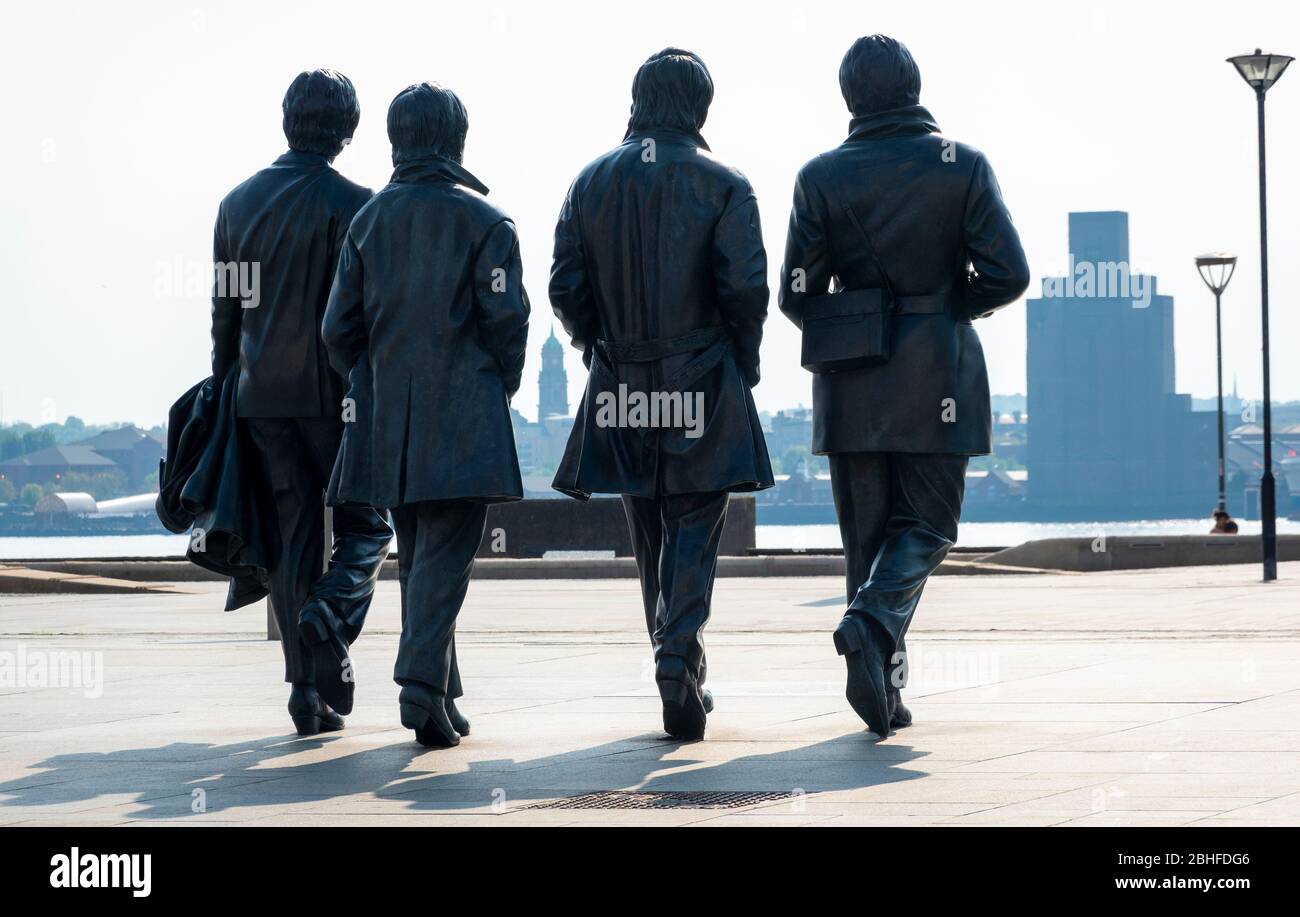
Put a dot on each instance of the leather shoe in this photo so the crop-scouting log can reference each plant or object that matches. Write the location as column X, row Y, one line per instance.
column 864, row 659
column 684, row 713
column 424, row 709
column 321, row 631
column 459, row 721
column 310, row 714
column 899, row 716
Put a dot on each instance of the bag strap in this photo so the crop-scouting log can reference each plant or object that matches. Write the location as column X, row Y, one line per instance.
column 838, row 189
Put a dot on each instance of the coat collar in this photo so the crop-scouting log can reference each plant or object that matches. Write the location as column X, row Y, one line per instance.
column 303, row 160
column 896, row 122
column 433, row 169
column 695, row 138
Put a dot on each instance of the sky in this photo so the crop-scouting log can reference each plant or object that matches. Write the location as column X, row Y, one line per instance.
column 127, row 123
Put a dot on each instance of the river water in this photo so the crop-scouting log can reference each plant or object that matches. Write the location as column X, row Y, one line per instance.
column 971, row 534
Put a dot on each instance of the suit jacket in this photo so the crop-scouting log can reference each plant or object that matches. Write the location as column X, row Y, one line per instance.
column 428, row 318
column 660, row 279
column 940, row 228
column 287, row 222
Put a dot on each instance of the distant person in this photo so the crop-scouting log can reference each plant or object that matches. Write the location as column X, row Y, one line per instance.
column 429, row 318
column 900, row 213
column 660, row 279
column 276, row 245
column 1223, row 523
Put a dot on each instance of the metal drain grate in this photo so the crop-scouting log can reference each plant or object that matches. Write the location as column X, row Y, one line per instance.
column 687, row 799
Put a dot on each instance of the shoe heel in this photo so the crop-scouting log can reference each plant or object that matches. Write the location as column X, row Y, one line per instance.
column 307, row 724
column 848, row 639
column 414, row 716
column 673, row 692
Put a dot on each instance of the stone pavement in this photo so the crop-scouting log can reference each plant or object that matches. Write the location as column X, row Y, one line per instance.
column 1163, row 697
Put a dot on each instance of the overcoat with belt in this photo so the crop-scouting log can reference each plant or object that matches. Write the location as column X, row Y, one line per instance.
column 660, row 279
column 935, row 216
column 428, row 320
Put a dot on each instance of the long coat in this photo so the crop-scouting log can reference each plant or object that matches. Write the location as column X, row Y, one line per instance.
column 287, row 223
column 205, row 485
column 660, row 279
column 933, row 211
column 429, row 320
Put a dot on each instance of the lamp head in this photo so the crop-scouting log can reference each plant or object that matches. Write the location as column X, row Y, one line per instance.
column 1216, row 270
column 1260, row 70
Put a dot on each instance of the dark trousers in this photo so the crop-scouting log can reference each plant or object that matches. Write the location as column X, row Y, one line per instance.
column 436, row 544
column 675, row 540
column 297, row 456
column 898, row 515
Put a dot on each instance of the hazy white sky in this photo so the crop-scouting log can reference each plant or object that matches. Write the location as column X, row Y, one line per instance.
column 126, row 123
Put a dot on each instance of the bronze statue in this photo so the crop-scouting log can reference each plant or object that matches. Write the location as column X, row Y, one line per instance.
column 898, row 240
column 280, row 233
column 660, row 279
column 429, row 320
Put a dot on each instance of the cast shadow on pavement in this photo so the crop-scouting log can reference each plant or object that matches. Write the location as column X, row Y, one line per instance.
column 197, row 781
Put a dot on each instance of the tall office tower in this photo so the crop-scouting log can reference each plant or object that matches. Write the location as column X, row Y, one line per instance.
column 1109, row 438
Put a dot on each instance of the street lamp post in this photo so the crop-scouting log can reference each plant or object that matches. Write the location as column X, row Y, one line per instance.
column 1261, row 71
column 1216, row 270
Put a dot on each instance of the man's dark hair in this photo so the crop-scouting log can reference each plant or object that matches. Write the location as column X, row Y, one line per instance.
column 672, row 90
column 320, row 112
column 878, row 74
column 427, row 120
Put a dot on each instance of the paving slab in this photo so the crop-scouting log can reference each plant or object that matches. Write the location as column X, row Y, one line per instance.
column 1155, row 697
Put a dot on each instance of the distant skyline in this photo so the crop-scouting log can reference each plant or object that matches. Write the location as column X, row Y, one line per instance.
column 127, row 125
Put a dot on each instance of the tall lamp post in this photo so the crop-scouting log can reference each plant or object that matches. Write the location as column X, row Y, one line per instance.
column 1216, row 270
column 1261, row 71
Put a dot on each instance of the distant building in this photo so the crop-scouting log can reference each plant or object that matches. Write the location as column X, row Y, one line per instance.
column 803, row 485
column 994, row 488
column 552, row 381
column 1232, row 402
column 53, row 463
column 137, row 452
column 130, row 450
column 1010, row 432
column 1245, row 466
column 790, row 429
column 1110, row 438
column 541, row 445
